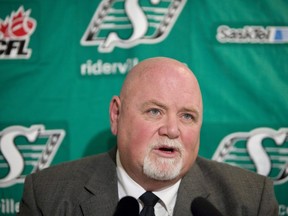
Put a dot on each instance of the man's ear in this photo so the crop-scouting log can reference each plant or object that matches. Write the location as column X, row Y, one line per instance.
column 114, row 111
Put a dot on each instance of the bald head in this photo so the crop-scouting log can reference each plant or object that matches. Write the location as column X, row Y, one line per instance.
column 152, row 70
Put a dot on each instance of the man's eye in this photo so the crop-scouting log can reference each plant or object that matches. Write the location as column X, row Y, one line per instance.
column 154, row 112
column 188, row 116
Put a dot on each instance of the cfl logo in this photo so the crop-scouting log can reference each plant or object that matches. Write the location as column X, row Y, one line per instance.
column 262, row 150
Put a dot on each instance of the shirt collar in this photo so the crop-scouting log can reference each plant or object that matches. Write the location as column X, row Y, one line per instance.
column 128, row 187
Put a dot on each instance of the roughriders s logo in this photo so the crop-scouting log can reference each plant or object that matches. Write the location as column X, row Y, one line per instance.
column 263, row 150
column 35, row 150
column 148, row 22
column 15, row 32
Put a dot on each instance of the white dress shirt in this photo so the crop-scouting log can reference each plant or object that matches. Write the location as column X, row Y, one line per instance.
column 128, row 187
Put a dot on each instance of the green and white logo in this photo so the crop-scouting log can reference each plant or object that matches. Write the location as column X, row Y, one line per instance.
column 127, row 23
column 262, row 150
column 26, row 150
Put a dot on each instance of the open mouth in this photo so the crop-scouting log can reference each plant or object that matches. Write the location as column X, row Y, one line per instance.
column 167, row 149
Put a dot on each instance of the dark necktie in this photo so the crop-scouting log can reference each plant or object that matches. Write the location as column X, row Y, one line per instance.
column 149, row 199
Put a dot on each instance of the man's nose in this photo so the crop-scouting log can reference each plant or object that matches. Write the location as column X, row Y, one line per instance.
column 170, row 128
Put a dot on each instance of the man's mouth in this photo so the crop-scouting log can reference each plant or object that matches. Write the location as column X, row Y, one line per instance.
column 166, row 151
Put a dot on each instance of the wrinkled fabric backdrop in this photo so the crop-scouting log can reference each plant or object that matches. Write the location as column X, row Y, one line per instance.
column 61, row 62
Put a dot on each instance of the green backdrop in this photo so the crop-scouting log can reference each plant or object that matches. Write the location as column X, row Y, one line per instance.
column 61, row 62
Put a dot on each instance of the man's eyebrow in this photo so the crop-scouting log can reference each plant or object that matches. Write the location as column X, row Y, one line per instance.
column 154, row 102
column 159, row 104
column 192, row 110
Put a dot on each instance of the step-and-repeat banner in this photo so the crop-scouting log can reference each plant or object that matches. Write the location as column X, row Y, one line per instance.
column 62, row 61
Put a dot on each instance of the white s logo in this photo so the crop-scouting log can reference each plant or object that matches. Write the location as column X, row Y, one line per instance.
column 11, row 152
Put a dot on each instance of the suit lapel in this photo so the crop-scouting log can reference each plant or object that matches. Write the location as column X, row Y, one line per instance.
column 192, row 186
column 102, row 187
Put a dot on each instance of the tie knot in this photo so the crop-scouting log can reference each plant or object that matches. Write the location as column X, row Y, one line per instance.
column 149, row 199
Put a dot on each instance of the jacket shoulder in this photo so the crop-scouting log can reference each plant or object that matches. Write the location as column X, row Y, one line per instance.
column 219, row 168
column 236, row 187
column 73, row 169
column 63, row 188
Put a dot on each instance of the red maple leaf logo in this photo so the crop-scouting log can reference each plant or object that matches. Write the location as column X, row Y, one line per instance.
column 18, row 25
column 4, row 29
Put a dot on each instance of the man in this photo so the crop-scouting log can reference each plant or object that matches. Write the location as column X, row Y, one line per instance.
column 157, row 120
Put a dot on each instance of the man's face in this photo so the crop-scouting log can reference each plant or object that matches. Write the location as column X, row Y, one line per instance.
column 158, row 124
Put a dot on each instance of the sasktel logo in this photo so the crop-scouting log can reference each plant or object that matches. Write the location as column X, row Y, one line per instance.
column 262, row 150
column 253, row 34
column 148, row 22
column 15, row 32
column 35, row 151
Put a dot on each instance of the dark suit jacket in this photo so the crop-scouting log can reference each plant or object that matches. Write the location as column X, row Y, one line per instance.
column 89, row 187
